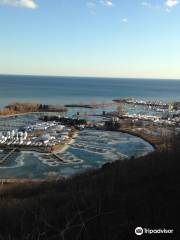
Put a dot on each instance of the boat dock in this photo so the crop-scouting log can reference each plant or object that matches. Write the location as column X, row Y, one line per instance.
column 4, row 159
column 58, row 158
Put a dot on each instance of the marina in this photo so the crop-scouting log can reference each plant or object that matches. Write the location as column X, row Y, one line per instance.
column 86, row 149
column 39, row 136
column 49, row 145
column 148, row 103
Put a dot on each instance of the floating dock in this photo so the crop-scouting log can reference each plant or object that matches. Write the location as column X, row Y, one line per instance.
column 4, row 159
column 59, row 158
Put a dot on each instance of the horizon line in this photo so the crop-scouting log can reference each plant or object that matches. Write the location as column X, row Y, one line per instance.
column 85, row 76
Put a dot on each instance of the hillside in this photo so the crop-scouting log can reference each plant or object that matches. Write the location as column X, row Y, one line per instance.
column 104, row 204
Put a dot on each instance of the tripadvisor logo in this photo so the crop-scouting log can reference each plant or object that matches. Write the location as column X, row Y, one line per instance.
column 139, row 231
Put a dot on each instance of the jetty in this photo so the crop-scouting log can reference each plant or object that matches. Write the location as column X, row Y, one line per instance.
column 141, row 102
column 91, row 105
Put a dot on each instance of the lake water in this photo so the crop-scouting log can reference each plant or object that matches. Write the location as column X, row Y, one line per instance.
column 63, row 90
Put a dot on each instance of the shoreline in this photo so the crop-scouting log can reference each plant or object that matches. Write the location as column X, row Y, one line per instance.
column 140, row 136
column 25, row 113
column 64, row 109
column 66, row 146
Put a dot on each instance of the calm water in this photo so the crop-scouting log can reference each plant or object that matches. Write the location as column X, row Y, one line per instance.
column 74, row 90
column 91, row 149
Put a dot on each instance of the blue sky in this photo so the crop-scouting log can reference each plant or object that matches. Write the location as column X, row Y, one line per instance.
column 112, row 38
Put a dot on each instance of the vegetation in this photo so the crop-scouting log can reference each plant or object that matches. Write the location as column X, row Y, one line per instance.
column 112, row 124
column 17, row 107
column 64, row 120
column 25, row 107
column 103, row 204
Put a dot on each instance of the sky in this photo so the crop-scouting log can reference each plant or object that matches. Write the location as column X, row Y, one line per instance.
column 107, row 38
